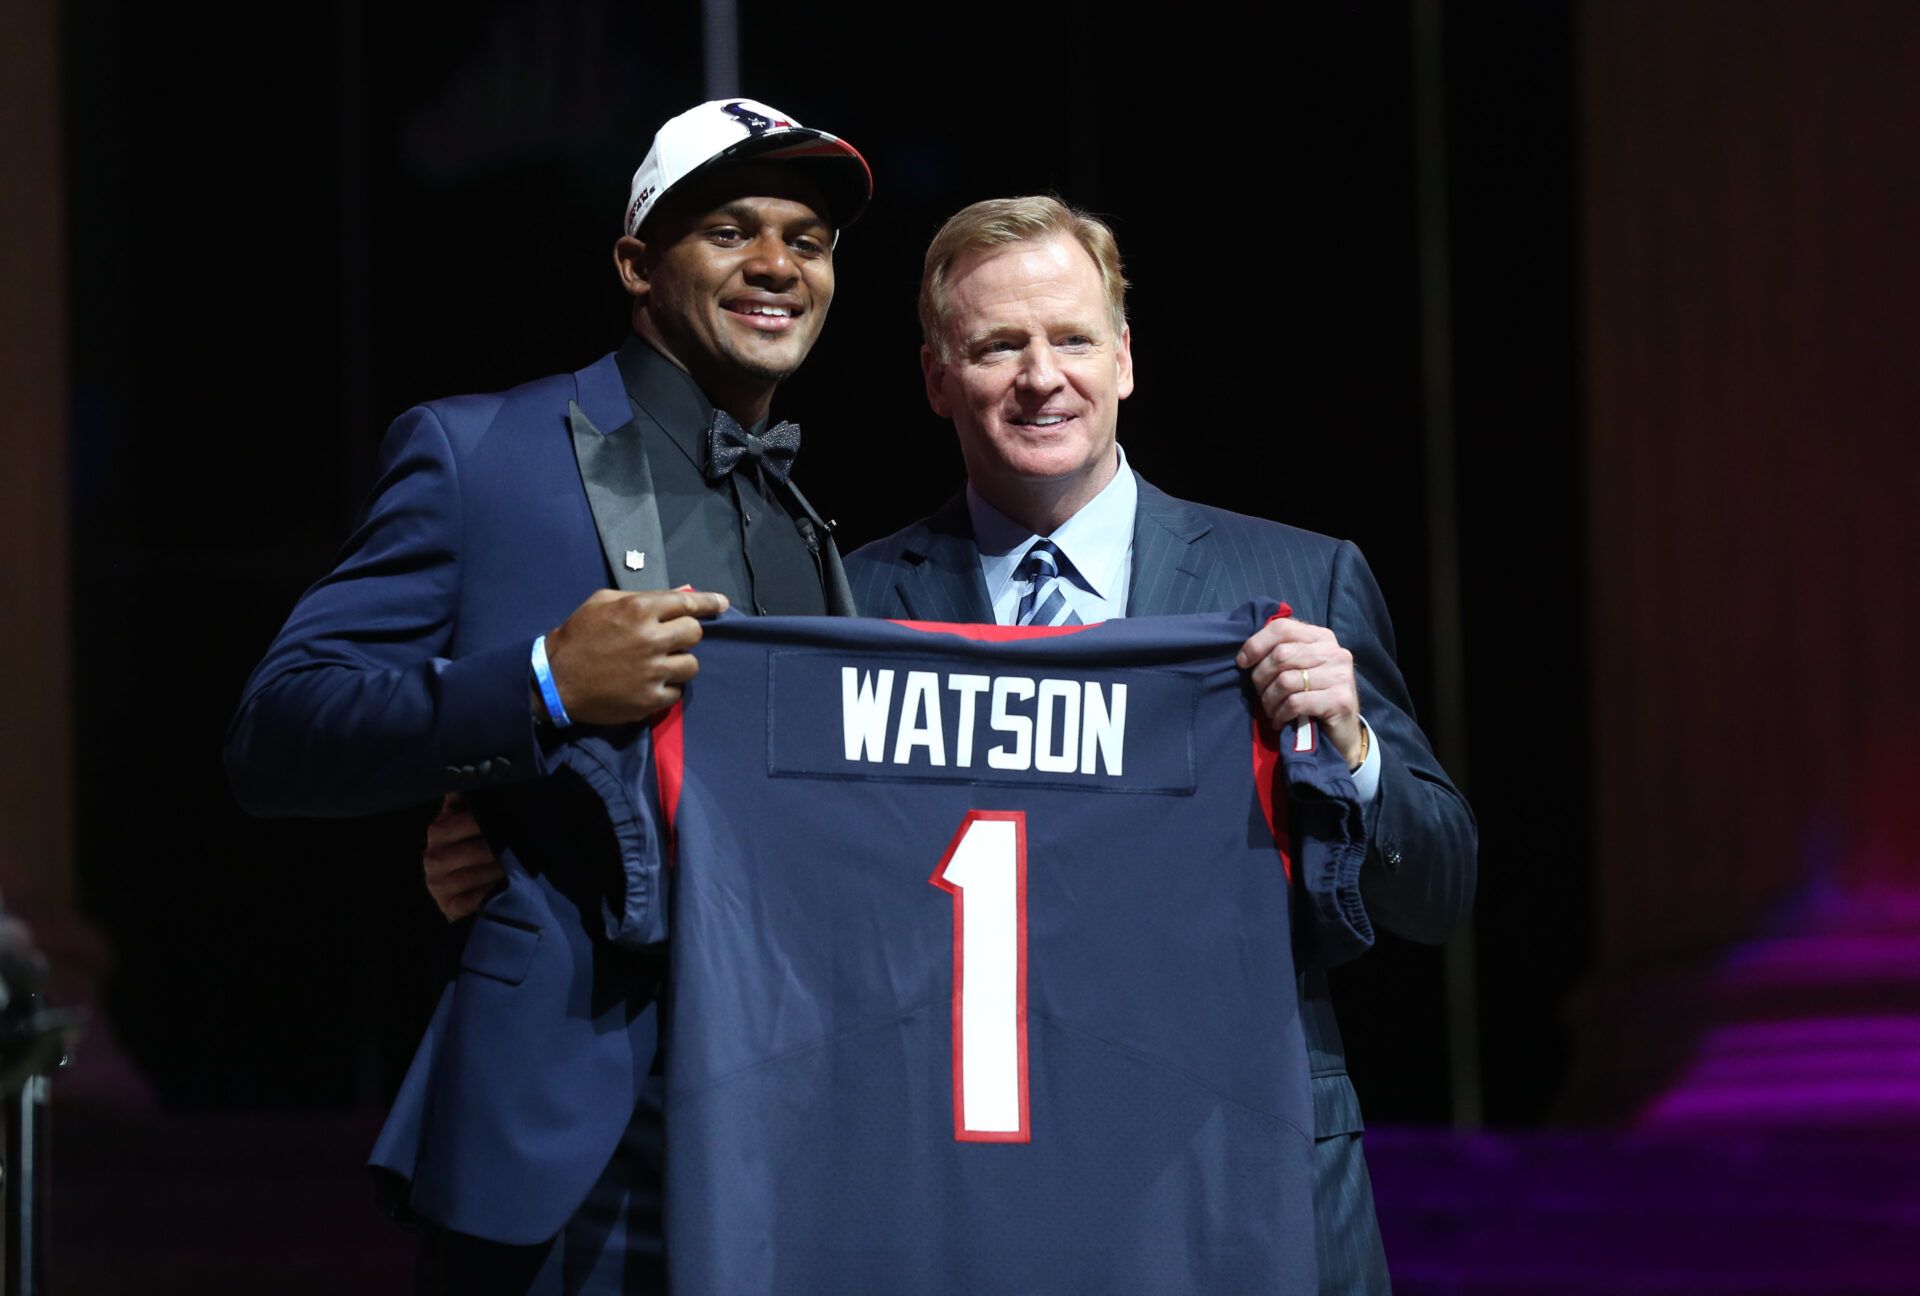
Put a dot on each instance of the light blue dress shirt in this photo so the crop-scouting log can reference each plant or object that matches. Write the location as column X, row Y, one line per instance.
column 1096, row 548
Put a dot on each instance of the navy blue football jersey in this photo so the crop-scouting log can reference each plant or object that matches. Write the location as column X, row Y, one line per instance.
column 982, row 971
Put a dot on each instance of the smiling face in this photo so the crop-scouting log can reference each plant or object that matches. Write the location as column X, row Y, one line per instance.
column 1034, row 377
column 731, row 278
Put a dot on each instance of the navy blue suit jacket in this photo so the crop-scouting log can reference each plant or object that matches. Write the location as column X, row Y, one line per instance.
column 403, row 675
column 1418, row 879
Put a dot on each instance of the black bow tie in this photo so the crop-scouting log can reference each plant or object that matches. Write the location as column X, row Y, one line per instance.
column 728, row 443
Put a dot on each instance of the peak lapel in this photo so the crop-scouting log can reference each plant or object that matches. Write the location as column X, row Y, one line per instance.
column 1174, row 569
column 942, row 579
column 619, row 486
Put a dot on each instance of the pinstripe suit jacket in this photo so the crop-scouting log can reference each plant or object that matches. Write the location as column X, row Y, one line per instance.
column 1418, row 879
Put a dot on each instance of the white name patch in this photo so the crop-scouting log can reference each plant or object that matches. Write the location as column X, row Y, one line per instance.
column 1005, row 722
column 944, row 717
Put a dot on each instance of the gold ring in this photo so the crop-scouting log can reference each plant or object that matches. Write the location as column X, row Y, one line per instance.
column 1306, row 682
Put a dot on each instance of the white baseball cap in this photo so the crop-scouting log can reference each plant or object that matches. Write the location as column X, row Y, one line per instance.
column 732, row 130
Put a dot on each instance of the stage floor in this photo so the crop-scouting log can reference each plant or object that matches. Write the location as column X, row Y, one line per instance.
column 212, row 1205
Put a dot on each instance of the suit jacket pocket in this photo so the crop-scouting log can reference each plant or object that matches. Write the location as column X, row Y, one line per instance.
column 1336, row 1108
column 500, row 949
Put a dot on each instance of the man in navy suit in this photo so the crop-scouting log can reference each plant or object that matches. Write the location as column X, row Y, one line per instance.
column 469, row 623
column 1022, row 306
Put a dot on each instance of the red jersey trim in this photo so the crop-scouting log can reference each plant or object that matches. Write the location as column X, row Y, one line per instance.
column 1268, row 785
column 670, row 765
column 993, row 633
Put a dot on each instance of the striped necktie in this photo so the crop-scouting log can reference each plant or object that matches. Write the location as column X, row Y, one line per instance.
column 1045, row 602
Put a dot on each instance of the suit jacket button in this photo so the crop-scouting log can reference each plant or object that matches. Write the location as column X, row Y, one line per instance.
column 500, row 766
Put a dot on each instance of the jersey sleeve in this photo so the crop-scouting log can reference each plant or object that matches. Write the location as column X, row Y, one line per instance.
column 1325, row 827
column 1420, row 874
column 622, row 770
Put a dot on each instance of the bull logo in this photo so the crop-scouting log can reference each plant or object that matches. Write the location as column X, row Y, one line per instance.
column 756, row 123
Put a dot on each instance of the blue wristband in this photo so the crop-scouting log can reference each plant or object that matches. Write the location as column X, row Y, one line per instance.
column 543, row 676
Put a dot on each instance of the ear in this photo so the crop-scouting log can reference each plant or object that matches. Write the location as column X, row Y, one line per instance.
column 934, row 370
column 630, row 263
column 1123, row 362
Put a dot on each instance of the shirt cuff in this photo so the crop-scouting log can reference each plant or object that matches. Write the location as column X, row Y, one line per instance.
column 1366, row 779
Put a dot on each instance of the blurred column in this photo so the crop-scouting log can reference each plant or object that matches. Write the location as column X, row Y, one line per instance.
column 36, row 714
column 36, row 744
column 720, row 40
column 1753, row 381
column 1449, row 718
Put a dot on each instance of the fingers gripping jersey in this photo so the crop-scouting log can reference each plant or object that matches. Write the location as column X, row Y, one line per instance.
column 982, row 975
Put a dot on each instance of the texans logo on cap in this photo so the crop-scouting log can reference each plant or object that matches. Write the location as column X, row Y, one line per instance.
column 711, row 134
column 756, row 123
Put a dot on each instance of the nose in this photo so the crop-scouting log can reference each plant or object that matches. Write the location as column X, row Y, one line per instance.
column 770, row 263
column 1039, row 369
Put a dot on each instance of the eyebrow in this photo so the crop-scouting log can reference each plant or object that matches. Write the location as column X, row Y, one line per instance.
column 741, row 214
column 1014, row 330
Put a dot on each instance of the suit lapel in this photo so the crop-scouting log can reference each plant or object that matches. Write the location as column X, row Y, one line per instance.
column 619, row 485
column 942, row 581
column 1174, row 568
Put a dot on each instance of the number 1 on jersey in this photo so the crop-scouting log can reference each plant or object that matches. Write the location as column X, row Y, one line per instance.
column 985, row 870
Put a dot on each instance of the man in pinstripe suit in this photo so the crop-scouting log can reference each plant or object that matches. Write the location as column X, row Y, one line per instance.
column 1022, row 305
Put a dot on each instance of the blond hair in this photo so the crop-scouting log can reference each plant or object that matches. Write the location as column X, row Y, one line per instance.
column 1001, row 222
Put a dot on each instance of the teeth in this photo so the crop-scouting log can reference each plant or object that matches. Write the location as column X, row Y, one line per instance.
column 780, row 311
column 1045, row 420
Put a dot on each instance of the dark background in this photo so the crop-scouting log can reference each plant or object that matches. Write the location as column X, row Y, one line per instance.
column 1592, row 321
column 278, row 244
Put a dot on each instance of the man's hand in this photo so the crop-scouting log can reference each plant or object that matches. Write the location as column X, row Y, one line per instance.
column 459, row 864
column 1300, row 670
column 622, row 657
